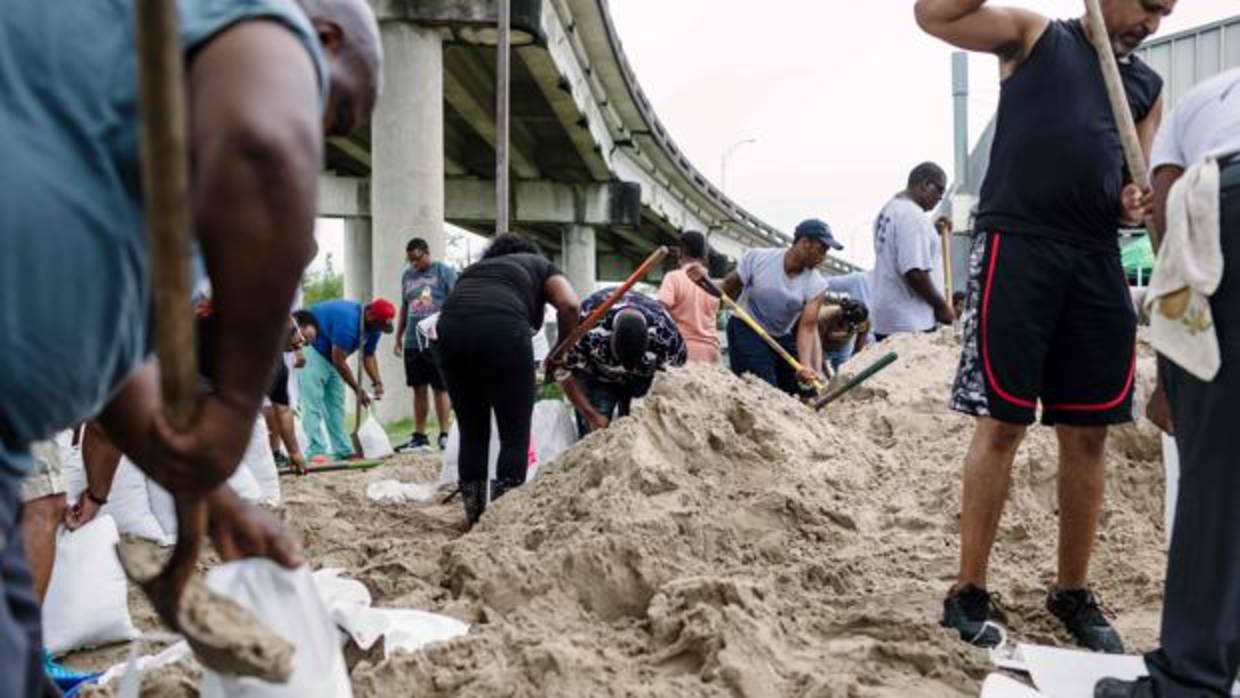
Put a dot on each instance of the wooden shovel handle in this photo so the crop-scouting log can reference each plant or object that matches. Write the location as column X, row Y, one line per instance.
column 165, row 189
column 1134, row 155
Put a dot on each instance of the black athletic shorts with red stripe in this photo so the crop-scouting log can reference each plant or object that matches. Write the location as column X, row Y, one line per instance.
column 1046, row 322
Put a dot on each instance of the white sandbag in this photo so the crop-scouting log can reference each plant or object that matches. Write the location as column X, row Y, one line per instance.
column 348, row 601
column 87, row 601
column 395, row 492
column 410, row 630
column 553, row 429
column 375, row 442
column 261, row 463
column 163, row 506
column 403, row 630
column 287, row 602
column 129, row 501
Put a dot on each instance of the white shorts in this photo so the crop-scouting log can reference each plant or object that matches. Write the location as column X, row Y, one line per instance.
column 47, row 478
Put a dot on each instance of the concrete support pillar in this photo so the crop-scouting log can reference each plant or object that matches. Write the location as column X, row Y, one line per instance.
column 580, row 258
column 407, row 176
column 358, row 265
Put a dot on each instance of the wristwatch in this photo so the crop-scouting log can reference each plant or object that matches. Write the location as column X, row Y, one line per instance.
column 97, row 500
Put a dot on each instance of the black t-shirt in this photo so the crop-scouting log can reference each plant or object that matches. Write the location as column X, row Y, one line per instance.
column 1057, row 167
column 512, row 284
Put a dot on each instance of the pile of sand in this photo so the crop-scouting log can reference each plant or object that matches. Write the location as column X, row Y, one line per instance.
column 727, row 541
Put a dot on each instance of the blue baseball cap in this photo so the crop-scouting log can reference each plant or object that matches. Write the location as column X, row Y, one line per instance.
column 815, row 229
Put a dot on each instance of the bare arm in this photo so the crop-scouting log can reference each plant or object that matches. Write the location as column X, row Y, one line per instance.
column 341, row 361
column 371, row 365
column 399, row 346
column 919, row 280
column 807, row 334
column 257, row 151
column 577, row 396
column 564, row 299
column 732, row 285
column 1008, row 32
column 1162, row 181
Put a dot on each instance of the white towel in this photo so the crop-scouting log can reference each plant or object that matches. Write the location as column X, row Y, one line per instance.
column 1187, row 273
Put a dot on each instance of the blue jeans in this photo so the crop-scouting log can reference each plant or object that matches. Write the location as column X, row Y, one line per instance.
column 612, row 400
column 748, row 353
column 21, row 636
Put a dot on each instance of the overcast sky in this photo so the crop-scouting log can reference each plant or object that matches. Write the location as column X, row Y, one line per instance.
column 843, row 97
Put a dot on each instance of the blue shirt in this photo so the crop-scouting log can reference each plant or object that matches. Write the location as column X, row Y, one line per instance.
column 423, row 293
column 340, row 325
column 74, row 279
column 774, row 299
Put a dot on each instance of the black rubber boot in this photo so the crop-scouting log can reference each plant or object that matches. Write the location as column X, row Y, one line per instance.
column 474, row 494
column 501, row 486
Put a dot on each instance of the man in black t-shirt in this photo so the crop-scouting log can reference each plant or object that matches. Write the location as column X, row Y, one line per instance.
column 1048, row 317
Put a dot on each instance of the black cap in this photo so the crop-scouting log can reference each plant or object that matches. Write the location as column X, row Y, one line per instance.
column 815, row 229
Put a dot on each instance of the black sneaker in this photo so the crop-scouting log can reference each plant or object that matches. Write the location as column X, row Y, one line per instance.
column 1082, row 616
column 967, row 611
column 443, row 441
column 282, row 460
column 417, row 442
column 1117, row 688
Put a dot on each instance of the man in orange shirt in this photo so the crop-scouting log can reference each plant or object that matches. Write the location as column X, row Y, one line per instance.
column 693, row 309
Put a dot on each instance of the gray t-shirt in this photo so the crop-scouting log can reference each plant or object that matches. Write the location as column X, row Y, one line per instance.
column 423, row 294
column 774, row 299
column 904, row 240
column 74, row 277
column 1207, row 120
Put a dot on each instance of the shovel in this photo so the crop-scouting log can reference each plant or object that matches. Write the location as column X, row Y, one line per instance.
column 709, row 286
column 857, row 380
column 224, row 636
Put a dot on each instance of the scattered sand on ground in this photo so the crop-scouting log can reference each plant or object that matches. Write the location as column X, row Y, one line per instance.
column 727, row 541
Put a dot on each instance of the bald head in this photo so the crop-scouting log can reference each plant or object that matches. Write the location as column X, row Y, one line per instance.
column 349, row 35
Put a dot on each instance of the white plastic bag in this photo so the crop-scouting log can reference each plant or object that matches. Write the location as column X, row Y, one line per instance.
column 375, row 442
column 261, row 463
column 87, row 602
column 289, row 604
column 449, row 472
column 129, row 501
column 553, row 429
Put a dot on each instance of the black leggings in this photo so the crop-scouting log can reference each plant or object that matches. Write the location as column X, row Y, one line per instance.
column 488, row 364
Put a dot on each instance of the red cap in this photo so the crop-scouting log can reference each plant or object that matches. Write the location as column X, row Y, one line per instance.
column 381, row 310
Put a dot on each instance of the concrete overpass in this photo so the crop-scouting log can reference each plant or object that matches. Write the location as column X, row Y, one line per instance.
column 597, row 179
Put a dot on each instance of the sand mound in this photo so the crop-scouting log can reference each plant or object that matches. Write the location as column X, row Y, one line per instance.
column 727, row 541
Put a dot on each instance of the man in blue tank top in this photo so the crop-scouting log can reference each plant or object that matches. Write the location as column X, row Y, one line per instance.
column 1048, row 319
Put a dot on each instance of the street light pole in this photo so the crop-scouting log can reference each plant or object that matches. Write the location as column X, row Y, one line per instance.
column 502, row 43
column 723, row 162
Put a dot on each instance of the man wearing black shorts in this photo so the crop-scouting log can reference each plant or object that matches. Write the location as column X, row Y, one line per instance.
column 281, row 426
column 425, row 285
column 1048, row 317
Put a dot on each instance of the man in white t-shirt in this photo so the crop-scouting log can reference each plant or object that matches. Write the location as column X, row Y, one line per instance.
column 908, row 259
column 1200, row 652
